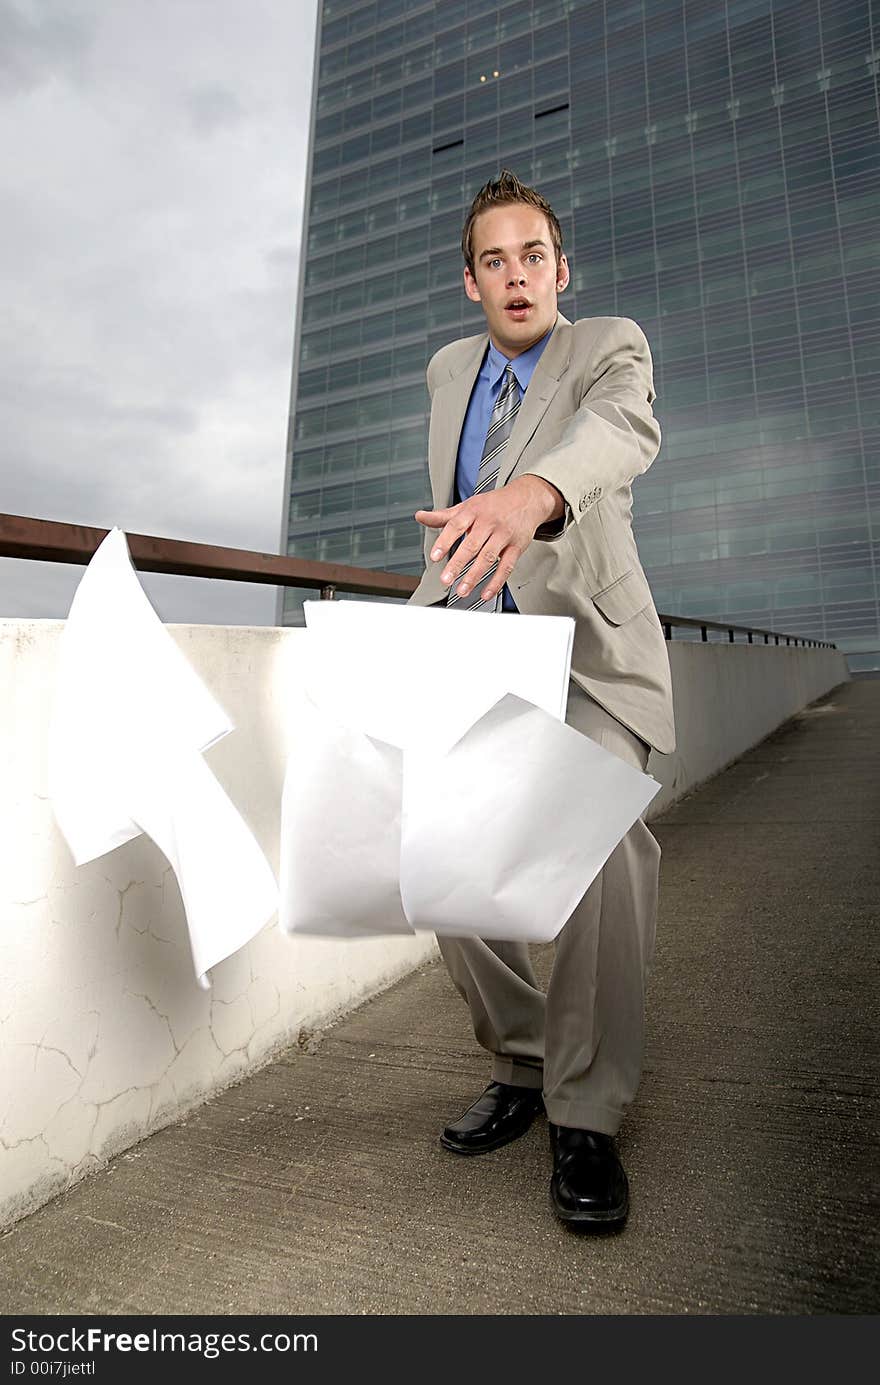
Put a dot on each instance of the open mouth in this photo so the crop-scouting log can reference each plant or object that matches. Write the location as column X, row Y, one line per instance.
column 517, row 308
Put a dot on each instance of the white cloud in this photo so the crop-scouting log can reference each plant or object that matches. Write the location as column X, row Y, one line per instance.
column 153, row 169
column 38, row 40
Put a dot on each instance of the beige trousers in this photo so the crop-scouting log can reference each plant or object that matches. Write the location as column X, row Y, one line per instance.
column 583, row 1041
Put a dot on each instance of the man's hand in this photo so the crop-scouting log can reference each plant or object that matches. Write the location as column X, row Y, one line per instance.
column 498, row 526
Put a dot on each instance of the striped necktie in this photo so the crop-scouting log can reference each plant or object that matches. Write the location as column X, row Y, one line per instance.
column 500, row 427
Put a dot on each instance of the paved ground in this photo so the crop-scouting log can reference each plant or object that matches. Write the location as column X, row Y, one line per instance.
column 318, row 1186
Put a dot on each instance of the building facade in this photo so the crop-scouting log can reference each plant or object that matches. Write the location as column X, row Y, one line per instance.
column 715, row 165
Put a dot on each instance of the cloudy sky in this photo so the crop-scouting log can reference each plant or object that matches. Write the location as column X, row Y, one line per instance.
column 152, row 168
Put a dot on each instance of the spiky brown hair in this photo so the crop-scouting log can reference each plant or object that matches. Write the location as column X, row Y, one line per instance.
column 502, row 191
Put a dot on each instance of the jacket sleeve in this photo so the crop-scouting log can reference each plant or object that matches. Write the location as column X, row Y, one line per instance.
column 433, row 375
column 435, row 371
column 613, row 437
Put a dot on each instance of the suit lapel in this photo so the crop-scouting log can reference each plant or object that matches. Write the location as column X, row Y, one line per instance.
column 448, row 409
column 544, row 383
column 450, row 406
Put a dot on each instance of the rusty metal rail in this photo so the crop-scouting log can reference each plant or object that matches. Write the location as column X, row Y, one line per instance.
column 51, row 541
column 46, row 539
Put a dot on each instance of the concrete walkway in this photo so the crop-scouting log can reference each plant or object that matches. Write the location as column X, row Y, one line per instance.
column 318, row 1186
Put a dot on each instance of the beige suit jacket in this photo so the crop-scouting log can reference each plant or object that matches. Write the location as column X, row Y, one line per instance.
column 585, row 425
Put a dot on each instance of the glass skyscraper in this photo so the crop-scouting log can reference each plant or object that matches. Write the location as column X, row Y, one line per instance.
column 715, row 165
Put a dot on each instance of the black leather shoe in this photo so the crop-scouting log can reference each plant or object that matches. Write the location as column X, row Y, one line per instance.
column 501, row 1114
column 589, row 1187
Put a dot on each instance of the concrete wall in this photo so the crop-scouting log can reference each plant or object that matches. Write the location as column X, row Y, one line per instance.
column 104, row 1034
column 728, row 697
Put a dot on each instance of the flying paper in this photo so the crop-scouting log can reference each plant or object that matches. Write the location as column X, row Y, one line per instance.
column 340, row 831
column 414, row 676
column 130, row 722
column 435, row 785
column 502, row 836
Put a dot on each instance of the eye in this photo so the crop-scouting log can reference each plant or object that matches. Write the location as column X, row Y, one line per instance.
column 536, row 256
column 493, row 263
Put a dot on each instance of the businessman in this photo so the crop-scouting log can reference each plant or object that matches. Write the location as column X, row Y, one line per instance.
column 538, row 428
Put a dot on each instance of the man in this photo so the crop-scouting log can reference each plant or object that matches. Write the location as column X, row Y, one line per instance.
column 538, row 427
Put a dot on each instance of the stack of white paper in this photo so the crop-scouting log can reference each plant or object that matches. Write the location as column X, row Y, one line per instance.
column 433, row 783
column 131, row 719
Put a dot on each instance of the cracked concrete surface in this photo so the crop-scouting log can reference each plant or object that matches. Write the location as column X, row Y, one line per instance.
column 318, row 1184
column 106, row 1035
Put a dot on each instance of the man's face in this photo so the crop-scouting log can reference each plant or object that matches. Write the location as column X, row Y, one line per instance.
column 516, row 277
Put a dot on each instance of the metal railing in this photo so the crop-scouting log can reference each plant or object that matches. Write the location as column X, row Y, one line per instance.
column 50, row 541
column 751, row 631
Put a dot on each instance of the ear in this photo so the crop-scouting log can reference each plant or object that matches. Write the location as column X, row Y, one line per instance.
column 563, row 274
column 470, row 286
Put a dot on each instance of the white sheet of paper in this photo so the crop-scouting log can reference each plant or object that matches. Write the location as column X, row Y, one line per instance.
column 340, row 831
column 130, row 720
column 120, row 676
column 227, row 885
column 411, row 676
column 492, row 820
column 502, row 836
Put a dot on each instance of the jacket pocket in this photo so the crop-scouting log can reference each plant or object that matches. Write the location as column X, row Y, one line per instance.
column 624, row 598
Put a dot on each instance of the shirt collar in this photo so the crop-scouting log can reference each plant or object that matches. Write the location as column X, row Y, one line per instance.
column 523, row 365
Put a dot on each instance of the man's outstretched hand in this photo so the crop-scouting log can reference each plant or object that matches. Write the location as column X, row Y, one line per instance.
column 498, row 526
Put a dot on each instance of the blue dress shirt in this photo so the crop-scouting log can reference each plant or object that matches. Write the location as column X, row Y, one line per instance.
column 479, row 411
